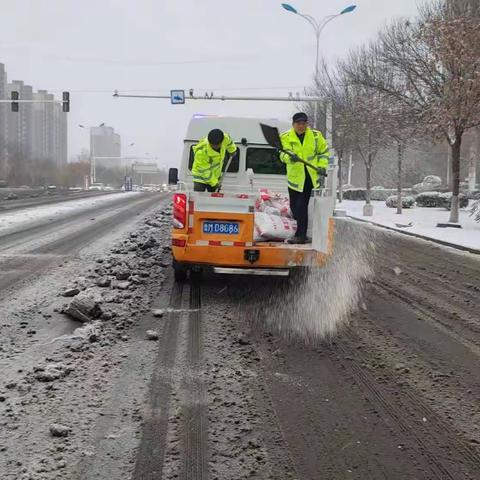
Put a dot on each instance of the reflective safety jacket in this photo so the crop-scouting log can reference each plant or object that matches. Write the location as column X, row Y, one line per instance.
column 208, row 163
column 314, row 149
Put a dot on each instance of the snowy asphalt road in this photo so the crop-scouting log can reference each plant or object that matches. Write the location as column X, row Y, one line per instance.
column 44, row 251
column 33, row 246
column 393, row 396
column 42, row 199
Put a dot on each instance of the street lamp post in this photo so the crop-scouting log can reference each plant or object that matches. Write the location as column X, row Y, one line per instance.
column 92, row 152
column 318, row 27
column 126, row 160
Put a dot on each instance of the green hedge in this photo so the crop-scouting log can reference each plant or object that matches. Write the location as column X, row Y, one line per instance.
column 407, row 202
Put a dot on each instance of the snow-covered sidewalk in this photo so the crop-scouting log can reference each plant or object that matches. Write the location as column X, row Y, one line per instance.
column 423, row 220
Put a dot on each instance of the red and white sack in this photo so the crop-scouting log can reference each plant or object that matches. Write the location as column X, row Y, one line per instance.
column 273, row 228
column 273, row 203
column 272, row 211
column 282, row 204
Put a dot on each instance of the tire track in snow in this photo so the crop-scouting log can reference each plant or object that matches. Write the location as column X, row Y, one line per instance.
column 151, row 453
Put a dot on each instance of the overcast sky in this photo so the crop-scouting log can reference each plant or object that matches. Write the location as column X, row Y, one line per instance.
column 92, row 47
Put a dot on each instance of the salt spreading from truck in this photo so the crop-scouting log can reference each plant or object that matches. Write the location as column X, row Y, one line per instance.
column 316, row 305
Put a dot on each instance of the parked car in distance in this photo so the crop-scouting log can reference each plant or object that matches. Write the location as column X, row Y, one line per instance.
column 97, row 187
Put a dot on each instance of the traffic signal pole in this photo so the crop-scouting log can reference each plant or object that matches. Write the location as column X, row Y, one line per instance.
column 15, row 101
column 211, row 96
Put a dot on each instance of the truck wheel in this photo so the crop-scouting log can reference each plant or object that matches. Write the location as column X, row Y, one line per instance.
column 180, row 272
column 180, row 276
column 196, row 274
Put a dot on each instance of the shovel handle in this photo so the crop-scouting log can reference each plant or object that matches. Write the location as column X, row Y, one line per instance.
column 224, row 172
column 306, row 162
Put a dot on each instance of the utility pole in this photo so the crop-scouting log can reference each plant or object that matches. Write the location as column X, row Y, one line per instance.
column 350, row 165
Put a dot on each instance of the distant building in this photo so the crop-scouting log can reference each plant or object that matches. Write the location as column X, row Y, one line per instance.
column 60, row 135
column 50, row 130
column 105, row 147
column 36, row 133
column 3, row 123
column 20, row 132
column 43, row 145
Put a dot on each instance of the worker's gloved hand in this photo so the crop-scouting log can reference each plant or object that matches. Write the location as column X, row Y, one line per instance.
column 322, row 172
column 295, row 158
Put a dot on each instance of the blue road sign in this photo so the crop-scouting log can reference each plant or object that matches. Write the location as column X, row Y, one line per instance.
column 128, row 184
column 177, row 97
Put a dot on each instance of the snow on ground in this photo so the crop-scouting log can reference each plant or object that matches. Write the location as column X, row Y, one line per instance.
column 11, row 220
column 424, row 221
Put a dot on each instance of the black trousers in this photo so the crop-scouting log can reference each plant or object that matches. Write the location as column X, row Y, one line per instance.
column 299, row 206
column 203, row 187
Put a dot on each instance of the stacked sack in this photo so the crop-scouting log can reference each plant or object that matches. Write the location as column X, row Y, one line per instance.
column 273, row 218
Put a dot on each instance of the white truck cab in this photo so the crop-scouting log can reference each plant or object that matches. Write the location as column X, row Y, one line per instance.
column 253, row 152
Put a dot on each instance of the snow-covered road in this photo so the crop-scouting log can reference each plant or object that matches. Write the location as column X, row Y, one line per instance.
column 37, row 264
column 221, row 388
column 34, row 215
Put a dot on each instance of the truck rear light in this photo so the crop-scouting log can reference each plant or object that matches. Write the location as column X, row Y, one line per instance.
column 179, row 210
column 178, row 242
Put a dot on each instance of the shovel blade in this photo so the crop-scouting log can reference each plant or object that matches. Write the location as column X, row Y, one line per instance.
column 271, row 136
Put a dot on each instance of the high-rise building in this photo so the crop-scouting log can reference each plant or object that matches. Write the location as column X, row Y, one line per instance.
column 43, row 121
column 105, row 146
column 50, row 130
column 36, row 133
column 61, row 135
column 3, row 124
column 20, row 133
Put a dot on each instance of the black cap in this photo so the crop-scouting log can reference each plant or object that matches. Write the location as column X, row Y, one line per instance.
column 300, row 117
column 215, row 136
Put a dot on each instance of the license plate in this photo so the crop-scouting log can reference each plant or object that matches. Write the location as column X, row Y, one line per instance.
column 224, row 228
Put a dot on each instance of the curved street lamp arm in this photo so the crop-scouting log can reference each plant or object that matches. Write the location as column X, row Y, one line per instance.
column 325, row 21
column 310, row 20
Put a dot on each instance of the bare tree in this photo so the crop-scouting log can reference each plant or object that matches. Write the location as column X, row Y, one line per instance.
column 400, row 131
column 369, row 116
column 359, row 116
column 329, row 86
column 475, row 211
column 434, row 66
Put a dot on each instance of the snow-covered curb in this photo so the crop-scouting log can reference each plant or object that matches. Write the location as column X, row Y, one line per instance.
column 423, row 224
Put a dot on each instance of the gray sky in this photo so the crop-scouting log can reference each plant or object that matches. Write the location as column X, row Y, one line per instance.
column 92, row 47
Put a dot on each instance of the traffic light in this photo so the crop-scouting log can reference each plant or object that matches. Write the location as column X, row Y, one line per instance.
column 66, row 102
column 14, row 97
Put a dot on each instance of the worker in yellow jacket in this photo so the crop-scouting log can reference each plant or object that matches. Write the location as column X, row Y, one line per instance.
column 307, row 144
column 209, row 158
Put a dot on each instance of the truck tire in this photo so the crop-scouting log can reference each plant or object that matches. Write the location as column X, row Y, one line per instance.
column 180, row 272
column 196, row 274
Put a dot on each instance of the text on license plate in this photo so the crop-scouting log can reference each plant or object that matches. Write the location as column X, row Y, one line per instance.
column 228, row 228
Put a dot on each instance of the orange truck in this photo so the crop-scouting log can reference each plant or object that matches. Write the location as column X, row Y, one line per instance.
column 216, row 230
